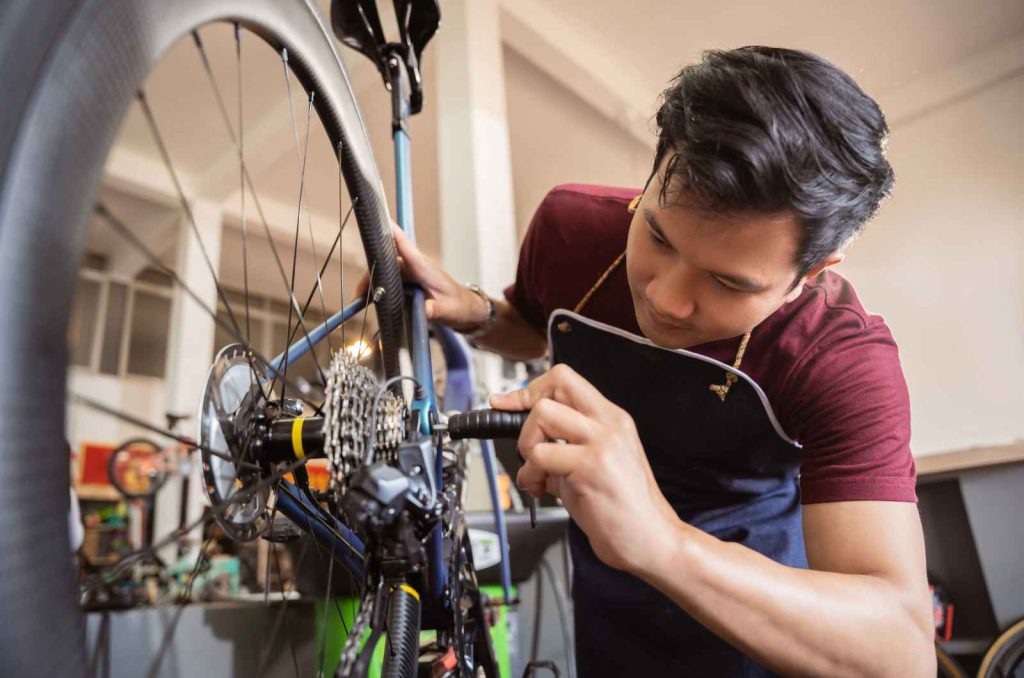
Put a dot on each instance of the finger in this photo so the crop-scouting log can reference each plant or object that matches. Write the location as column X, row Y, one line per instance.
column 406, row 247
column 562, row 384
column 550, row 419
column 555, row 459
column 531, row 480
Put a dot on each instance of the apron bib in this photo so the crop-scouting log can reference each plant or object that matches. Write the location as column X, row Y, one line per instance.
column 724, row 464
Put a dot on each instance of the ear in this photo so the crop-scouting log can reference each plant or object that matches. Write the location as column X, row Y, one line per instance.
column 830, row 260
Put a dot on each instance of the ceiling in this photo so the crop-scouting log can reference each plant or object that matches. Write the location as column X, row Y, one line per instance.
column 883, row 43
column 629, row 49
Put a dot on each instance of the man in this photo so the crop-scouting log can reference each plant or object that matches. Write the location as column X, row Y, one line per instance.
column 742, row 520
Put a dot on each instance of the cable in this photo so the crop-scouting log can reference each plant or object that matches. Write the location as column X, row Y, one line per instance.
column 372, row 437
column 562, row 603
column 537, row 603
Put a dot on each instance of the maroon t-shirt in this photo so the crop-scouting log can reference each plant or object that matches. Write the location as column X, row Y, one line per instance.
column 830, row 369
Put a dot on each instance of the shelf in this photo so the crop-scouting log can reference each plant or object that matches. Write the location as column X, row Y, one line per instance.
column 110, row 560
column 961, row 646
column 93, row 492
column 975, row 457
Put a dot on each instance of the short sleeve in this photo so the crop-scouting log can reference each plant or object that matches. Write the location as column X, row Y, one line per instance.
column 524, row 293
column 850, row 410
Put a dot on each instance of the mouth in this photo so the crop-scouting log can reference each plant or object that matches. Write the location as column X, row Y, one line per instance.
column 662, row 324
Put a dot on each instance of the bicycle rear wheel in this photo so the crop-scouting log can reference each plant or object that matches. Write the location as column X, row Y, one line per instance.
column 71, row 70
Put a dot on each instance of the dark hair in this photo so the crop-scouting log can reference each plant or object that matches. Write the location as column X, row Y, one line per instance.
column 767, row 129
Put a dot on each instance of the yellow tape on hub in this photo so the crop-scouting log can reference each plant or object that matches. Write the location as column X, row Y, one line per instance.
column 297, row 438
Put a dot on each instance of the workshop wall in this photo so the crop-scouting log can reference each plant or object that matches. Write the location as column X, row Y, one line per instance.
column 943, row 263
column 557, row 138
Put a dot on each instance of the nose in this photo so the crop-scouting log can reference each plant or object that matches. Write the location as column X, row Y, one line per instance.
column 671, row 296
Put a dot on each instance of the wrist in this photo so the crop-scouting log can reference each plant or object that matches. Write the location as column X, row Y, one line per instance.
column 484, row 314
column 670, row 553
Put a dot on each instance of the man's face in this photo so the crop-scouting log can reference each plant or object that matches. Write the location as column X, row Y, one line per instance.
column 696, row 277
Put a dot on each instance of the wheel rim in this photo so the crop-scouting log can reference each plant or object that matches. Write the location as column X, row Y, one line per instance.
column 39, row 340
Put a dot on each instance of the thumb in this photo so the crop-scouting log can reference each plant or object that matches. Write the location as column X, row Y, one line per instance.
column 430, row 308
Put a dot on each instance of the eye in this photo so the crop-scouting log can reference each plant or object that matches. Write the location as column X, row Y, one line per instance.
column 656, row 239
column 726, row 286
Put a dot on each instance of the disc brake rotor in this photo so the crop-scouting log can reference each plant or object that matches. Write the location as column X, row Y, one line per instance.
column 233, row 397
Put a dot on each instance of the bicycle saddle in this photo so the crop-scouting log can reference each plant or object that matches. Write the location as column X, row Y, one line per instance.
column 356, row 24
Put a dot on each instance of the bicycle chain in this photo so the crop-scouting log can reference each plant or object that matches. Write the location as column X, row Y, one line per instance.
column 351, row 389
column 350, row 652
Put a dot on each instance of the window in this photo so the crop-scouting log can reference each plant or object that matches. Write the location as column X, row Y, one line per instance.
column 82, row 329
column 270, row 332
column 110, row 352
column 120, row 327
column 151, row 324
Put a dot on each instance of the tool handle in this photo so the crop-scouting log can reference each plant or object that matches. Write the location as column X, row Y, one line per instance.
column 486, row 424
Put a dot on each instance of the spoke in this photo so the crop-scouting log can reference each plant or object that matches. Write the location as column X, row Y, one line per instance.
column 320, row 555
column 126, row 233
column 319, row 283
column 226, row 117
column 312, row 291
column 165, row 643
column 97, row 579
column 334, row 533
column 304, row 204
column 298, row 216
column 268, row 647
column 151, row 120
column 323, row 619
column 378, row 346
column 218, row 509
column 341, row 228
column 100, row 407
column 369, row 295
column 241, row 181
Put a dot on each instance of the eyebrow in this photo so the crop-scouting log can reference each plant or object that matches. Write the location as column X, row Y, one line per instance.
column 740, row 282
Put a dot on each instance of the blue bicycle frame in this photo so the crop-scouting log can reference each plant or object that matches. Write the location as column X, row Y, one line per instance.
column 346, row 547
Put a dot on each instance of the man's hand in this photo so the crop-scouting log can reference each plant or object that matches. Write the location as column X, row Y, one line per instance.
column 600, row 473
column 447, row 301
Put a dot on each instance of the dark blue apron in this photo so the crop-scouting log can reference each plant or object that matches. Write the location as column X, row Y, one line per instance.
column 726, row 467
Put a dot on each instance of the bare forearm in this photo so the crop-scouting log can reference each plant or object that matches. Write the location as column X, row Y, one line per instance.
column 795, row 621
column 512, row 335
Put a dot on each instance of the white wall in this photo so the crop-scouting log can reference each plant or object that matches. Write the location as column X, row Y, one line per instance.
column 142, row 397
column 558, row 138
column 943, row 263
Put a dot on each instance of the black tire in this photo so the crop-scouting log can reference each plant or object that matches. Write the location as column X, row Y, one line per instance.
column 121, row 455
column 1005, row 657
column 69, row 70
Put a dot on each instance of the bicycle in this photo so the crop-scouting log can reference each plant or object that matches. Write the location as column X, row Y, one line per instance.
column 393, row 516
column 139, row 467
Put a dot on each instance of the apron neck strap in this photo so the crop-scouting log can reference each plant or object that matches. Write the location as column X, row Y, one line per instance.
column 600, row 281
column 721, row 390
